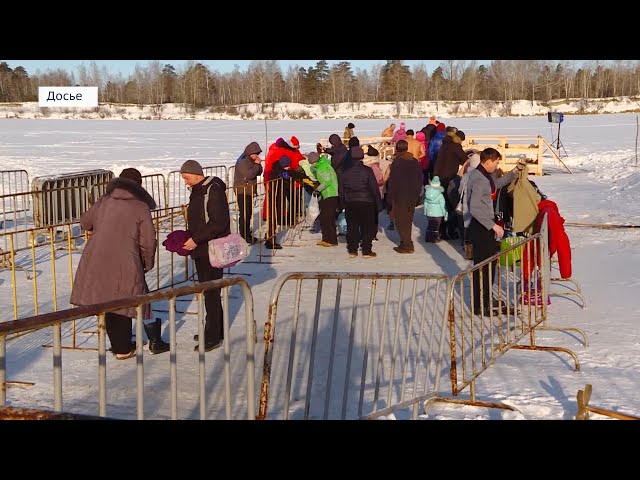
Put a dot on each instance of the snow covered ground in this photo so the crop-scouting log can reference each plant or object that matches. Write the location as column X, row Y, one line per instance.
column 603, row 188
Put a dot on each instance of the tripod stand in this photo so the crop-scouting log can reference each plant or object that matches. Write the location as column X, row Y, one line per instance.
column 557, row 144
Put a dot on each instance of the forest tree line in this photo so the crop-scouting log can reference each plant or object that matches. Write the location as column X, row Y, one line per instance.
column 264, row 82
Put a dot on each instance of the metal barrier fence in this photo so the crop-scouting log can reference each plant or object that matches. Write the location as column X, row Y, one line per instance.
column 194, row 392
column 27, row 247
column 63, row 198
column 13, row 209
column 477, row 340
column 361, row 349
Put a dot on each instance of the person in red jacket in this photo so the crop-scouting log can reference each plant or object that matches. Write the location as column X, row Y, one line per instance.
column 275, row 151
column 558, row 240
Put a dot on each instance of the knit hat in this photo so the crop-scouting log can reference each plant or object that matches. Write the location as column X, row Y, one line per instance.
column 372, row 152
column 132, row 174
column 284, row 161
column 351, row 125
column 191, row 166
column 432, row 120
column 441, row 127
column 357, row 153
column 313, row 157
column 435, row 181
column 294, row 141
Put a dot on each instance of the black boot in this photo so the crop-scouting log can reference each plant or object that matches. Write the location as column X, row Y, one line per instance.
column 156, row 344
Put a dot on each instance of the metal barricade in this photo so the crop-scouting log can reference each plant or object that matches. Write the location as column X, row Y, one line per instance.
column 225, row 389
column 13, row 206
column 371, row 341
column 60, row 199
column 156, row 185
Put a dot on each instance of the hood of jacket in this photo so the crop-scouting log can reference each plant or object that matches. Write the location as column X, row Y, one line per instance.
column 252, row 148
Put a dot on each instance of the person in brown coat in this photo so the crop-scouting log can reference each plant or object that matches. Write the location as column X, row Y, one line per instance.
column 121, row 249
column 403, row 192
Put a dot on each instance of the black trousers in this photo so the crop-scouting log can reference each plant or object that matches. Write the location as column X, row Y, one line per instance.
column 361, row 227
column 245, row 210
column 484, row 246
column 119, row 332
column 328, row 209
column 213, row 331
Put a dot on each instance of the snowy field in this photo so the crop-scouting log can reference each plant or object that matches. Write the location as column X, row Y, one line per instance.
column 604, row 187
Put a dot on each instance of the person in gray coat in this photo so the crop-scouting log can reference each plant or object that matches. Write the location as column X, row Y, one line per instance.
column 248, row 168
column 120, row 250
column 485, row 232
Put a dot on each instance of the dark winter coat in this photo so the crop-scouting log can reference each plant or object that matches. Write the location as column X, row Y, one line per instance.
column 219, row 224
column 338, row 152
column 404, row 185
column 359, row 184
column 247, row 171
column 121, row 248
column 450, row 157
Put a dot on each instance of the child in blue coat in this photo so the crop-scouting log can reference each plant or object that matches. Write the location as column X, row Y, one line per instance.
column 435, row 209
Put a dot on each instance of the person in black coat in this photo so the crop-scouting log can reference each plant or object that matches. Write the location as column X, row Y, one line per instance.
column 360, row 196
column 219, row 225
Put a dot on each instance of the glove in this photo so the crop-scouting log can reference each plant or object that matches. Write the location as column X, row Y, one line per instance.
column 285, row 175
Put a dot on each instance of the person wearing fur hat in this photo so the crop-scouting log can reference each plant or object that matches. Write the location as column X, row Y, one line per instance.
column 248, row 168
column 360, row 196
column 113, row 264
column 435, row 209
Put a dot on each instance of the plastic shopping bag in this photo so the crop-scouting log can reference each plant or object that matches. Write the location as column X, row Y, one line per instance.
column 313, row 210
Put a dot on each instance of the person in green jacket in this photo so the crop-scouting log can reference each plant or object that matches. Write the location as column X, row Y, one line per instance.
column 328, row 189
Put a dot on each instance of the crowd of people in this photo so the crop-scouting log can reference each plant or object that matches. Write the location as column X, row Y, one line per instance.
column 457, row 191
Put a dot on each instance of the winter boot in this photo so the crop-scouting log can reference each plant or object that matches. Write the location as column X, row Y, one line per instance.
column 156, row 344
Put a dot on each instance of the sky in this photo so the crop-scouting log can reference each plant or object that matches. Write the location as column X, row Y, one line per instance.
column 603, row 188
column 126, row 67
